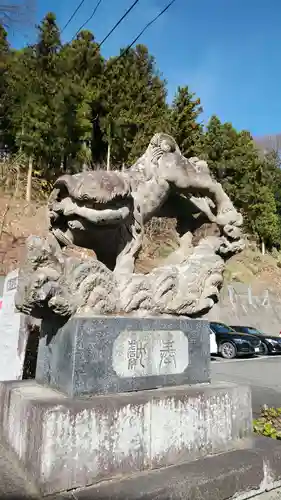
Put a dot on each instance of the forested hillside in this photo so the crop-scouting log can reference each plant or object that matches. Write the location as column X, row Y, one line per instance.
column 64, row 108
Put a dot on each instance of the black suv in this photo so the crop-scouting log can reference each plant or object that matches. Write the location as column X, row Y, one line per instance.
column 269, row 343
column 232, row 344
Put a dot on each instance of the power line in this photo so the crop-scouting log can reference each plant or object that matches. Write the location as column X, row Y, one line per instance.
column 89, row 18
column 73, row 15
column 119, row 22
column 114, row 27
column 125, row 51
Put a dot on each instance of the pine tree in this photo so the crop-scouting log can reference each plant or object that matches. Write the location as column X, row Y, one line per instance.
column 33, row 83
column 23, row 94
column 47, row 83
column 82, row 58
column 77, row 100
column 244, row 174
column 134, row 104
column 72, row 126
column 185, row 127
column 64, row 105
column 261, row 216
column 5, row 54
column 47, row 50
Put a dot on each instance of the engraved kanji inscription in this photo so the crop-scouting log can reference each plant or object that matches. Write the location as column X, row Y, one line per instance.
column 168, row 354
column 150, row 353
column 136, row 353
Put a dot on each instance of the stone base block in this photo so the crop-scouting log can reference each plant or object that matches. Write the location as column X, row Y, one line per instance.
column 101, row 355
column 239, row 475
column 65, row 443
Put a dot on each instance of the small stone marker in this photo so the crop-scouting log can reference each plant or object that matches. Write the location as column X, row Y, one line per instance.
column 13, row 336
column 140, row 353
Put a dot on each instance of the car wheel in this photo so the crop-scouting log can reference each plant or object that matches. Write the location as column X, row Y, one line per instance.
column 228, row 350
column 264, row 349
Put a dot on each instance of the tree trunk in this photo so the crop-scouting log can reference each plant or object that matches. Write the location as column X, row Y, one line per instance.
column 108, row 157
column 29, row 181
column 17, row 186
column 62, row 163
column 8, row 182
column 262, row 247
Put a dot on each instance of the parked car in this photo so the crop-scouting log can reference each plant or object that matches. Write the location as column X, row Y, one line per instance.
column 231, row 344
column 269, row 343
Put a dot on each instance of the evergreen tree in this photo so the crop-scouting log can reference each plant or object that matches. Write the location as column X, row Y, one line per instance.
column 64, row 106
column 261, row 216
column 5, row 54
column 81, row 66
column 47, row 52
column 185, row 111
column 134, row 104
column 24, row 98
column 72, row 126
column 33, row 83
column 244, row 174
column 82, row 58
column 47, row 84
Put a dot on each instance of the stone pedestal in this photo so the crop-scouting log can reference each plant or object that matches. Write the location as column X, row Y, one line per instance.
column 66, row 443
column 123, row 407
column 102, row 355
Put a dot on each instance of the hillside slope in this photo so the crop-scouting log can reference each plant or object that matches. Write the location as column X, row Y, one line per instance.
column 18, row 220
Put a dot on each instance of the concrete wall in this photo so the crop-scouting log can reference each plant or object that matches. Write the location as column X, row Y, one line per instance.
column 239, row 305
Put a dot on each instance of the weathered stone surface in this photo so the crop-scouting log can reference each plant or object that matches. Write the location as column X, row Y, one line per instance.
column 241, row 474
column 66, row 443
column 106, row 212
column 14, row 483
column 13, row 332
column 101, row 355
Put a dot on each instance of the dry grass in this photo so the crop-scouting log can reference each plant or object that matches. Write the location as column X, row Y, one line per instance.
column 160, row 239
column 251, row 267
column 17, row 223
column 13, row 180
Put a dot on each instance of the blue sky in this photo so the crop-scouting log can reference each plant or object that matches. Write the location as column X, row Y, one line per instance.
column 227, row 51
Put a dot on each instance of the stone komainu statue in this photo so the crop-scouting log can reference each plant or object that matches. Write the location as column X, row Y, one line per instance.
column 106, row 212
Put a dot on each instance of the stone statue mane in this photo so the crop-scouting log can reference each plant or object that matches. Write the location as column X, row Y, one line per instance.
column 106, row 212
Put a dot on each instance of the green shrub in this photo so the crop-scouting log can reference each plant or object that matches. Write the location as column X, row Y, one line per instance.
column 269, row 423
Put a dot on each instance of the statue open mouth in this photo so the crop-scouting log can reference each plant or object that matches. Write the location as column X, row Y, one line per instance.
column 106, row 212
column 78, row 206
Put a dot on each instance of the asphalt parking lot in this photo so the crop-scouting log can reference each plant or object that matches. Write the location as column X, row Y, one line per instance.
column 263, row 374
